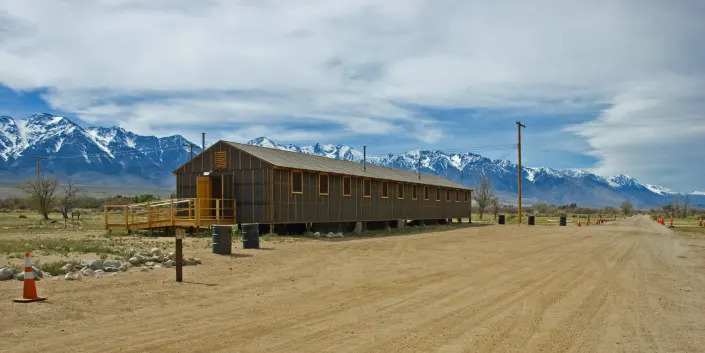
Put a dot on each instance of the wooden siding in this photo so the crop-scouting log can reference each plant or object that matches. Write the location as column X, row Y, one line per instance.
column 263, row 193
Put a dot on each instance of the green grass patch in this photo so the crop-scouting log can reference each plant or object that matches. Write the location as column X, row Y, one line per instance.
column 61, row 246
column 51, row 268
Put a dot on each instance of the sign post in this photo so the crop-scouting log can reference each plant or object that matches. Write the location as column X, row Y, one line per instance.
column 180, row 234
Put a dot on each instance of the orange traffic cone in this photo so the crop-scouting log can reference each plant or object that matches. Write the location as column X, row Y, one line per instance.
column 700, row 222
column 670, row 224
column 29, row 294
column 578, row 223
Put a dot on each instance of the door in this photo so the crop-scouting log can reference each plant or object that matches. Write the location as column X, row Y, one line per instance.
column 204, row 194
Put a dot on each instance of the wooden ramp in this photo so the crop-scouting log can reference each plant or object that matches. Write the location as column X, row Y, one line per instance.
column 186, row 212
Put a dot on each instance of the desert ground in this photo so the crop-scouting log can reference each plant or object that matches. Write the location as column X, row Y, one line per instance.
column 625, row 286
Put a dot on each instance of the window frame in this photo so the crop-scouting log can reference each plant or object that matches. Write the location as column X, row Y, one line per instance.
column 292, row 182
column 466, row 195
column 320, row 176
column 426, row 193
column 457, row 195
column 365, row 193
column 414, row 192
column 385, row 187
column 400, row 187
column 438, row 194
column 349, row 194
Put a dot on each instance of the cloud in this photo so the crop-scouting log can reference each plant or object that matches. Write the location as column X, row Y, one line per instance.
column 359, row 68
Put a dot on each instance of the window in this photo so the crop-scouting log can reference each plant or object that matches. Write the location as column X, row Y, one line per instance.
column 347, row 190
column 297, row 182
column 426, row 195
column 323, row 184
column 447, row 194
column 413, row 192
column 385, row 189
column 367, row 186
column 438, row 194
column 457, row 196
column 466, row 196
column 400, row 191
column 220, row 160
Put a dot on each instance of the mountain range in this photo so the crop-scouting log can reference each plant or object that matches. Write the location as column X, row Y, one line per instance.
column 99, row 155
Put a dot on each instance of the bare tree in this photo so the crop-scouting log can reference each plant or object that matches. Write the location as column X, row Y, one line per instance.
column 494, row 206
column 483, row 194
column 626, row 207
column 686, row 205
column 41, row 194
column 540, row 207
column 676, row 206
column 68, row 198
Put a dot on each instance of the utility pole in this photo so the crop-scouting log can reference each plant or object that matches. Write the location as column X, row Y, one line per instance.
column 419, row 164
column 364, row 158
column 203, row 141
column 519, row 126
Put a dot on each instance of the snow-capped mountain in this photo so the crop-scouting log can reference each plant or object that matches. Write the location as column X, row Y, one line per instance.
column 86, row 154
column 100, row 155
column 545, row 184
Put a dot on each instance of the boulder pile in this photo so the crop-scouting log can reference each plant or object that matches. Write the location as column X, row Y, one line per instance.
column 75, row 270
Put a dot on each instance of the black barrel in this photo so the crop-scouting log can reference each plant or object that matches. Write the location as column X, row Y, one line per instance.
column 250, row 236
column 532, row 220
column 222, row 239
column 563, row 221
column 500, row 219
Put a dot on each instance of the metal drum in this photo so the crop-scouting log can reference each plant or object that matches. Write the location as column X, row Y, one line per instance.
column 532, row 220
column 222, row 239
column 250, row 236
column 563, row 221
column 500, row 219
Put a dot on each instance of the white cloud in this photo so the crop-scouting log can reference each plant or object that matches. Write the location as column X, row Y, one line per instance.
column 263, row 66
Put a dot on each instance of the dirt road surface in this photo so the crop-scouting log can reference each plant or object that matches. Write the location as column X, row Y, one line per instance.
column 629, row 286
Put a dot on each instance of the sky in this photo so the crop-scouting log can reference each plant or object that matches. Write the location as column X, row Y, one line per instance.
column 607, row 86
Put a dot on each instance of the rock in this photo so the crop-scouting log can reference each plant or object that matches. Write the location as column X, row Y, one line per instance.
column 330, row 235
column 358, row 227
column 168, row 263
column 6, row 274
column 338, row 235
column 37, row 273
column 198, row 261
column 87, row 272
column 155, row 251
column 158, row 266
column 22, row 216
column 124, row 267
column 96, row 265
column 317, row 234
column 134, row 260
column 149, row 263
column 66, row 269
column 111, row 269
column 20, row 276
column 159, row 258
column 170, row 256
column 112, row 274
column 73, row 276
column 99, row 271
column 144, row 269
column 188, row 262
column 111, row 263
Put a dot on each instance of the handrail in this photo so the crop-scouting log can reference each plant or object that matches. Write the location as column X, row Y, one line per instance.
column 184, row 211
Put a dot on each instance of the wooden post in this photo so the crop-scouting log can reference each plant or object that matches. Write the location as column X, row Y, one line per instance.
column 105, row 213
column 127, row 220
column 198, row 212
column 180, row 234
column 171, row 211
column 217, row 209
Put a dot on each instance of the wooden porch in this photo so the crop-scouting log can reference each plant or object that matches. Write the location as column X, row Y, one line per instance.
column 184, row 212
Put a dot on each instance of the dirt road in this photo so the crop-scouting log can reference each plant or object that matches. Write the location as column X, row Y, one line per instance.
column 629, row 286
